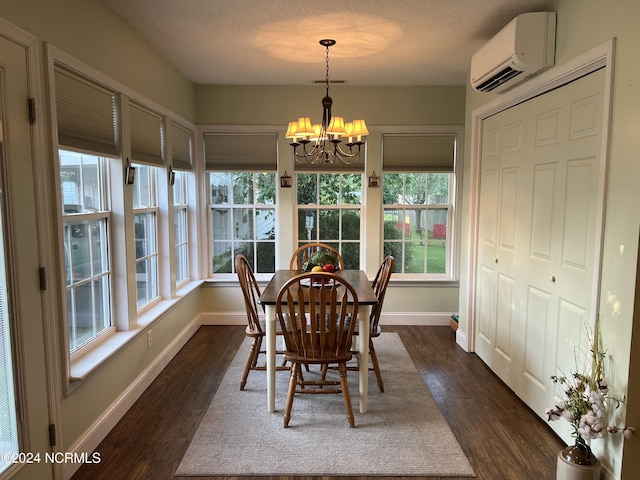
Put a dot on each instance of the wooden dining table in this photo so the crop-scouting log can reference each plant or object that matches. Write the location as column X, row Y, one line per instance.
column 366, row 299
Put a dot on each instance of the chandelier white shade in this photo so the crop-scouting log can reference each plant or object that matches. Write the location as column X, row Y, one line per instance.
column 333, row 139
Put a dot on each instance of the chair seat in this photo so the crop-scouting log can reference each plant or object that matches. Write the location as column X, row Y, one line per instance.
column 375, row 331
column 293, row 357
column 254, row 332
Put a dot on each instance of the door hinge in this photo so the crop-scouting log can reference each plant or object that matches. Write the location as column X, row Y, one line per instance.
column 32, row 111
column 43, row 278
column 52, row 434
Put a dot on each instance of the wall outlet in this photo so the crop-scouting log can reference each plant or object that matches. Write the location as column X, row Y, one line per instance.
column 149, row 339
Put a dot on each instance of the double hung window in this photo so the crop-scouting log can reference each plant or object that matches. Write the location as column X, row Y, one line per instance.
column 181, row 226
column 329, row 209
column 145, row 215
column 85, row 121
column 242, row 197
column 181, row 147
column 243, row 219
column 147, row 146
column 86, row 240
column 418, row 196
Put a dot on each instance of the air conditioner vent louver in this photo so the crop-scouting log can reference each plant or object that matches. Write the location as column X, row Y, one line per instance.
column 500, row 78
column 525, row 45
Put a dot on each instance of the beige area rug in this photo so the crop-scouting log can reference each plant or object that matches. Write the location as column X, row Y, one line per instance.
column 403, row 433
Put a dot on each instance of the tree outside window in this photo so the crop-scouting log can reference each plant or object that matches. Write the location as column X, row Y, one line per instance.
column 329, row 211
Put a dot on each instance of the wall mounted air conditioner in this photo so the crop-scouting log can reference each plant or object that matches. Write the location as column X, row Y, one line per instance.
column 523, row 48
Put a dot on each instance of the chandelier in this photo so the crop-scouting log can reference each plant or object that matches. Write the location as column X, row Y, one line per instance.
column 321, row 142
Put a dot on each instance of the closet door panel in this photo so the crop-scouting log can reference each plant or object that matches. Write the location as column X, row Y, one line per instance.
column 540, row 183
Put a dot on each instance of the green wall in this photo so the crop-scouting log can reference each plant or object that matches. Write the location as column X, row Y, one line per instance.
column 90, row 32
column 244, row 105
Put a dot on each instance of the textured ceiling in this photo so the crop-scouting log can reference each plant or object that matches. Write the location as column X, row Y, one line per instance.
column 275, row 42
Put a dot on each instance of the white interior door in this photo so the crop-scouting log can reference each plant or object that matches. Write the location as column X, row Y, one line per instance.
column 20, row 296
column 540, row 177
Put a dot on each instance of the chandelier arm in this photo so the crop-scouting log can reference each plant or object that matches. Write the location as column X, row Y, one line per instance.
column 321, row 151
column 318, row 156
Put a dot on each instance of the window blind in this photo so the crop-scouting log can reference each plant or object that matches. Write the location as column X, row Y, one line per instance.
column 230, row 152
column 147, row 140
column 181, row 140
column 85, row 114
column 418, row 153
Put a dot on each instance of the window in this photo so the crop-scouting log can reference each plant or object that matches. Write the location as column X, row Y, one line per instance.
column 243, row 220
column 242, row 196
column 85, row 118
column 416, row 218
column 418, row 202
column 180, row 220
column 86, row 246
column 145, row 215
column 181, row 153
column 329, row 211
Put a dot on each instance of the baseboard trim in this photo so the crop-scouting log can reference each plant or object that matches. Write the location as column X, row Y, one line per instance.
column 387, row 318
column 89, row 441
column 461, row 340
column 432, row 319
column 223, row 318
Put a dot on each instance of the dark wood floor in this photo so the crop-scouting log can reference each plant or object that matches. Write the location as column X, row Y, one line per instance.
column 501, row 437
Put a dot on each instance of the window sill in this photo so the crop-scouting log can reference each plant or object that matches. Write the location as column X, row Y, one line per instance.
column 410, row 280
column 84, row 366
column 231, row 279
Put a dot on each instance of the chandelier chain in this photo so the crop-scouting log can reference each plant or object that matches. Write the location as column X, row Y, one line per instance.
column 327, row 70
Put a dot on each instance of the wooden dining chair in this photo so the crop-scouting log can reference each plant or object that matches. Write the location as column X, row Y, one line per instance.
column 379, row 286
column 255, row 317
column 304, row 253
column 314, row 311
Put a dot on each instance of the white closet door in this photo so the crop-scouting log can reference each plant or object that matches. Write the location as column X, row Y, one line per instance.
column 540, row 177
